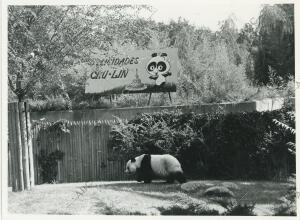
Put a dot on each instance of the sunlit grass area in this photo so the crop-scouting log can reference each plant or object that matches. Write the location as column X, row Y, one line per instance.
column 132, row 198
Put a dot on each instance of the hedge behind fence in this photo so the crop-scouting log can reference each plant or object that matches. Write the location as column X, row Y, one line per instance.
column 218, row 146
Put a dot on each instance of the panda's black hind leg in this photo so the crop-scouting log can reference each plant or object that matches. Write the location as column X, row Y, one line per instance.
column 180, row 177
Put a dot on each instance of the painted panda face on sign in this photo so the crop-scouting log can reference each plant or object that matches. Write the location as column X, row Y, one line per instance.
column 158, row 67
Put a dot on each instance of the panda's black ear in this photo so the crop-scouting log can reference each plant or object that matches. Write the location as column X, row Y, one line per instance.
column 154, row 55
column 132, row 160
column 163, row 55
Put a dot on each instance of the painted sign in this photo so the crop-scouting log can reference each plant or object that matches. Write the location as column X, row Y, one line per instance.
column 134, row 72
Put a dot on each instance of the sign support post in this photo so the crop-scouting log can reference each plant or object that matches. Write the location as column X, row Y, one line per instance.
column 110, row 99
column 149, row 98
column 170, row 97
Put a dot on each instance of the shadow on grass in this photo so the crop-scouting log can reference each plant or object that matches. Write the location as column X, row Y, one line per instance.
column 194, row 209
column 190, row 210
column 161, row 195
column 58, row 213
column 129, row 184
column 135, row 186
column 106, row 210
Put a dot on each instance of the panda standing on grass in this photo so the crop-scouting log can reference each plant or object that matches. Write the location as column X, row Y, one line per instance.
column 148, row 167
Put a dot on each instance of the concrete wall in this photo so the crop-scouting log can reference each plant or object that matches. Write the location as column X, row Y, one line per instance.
column 129, row 113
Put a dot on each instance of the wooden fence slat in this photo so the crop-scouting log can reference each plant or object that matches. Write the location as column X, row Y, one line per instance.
column 34, row 148
column 87, row 151
column 81, row 153
column 91, row 132
column 69, row 144
column 90, row 152
column 97, row 154
column 75, row 136
column 34, row 152
column 104, row 145
column 59, row 146
column 77, row 162
column 77, row 153
column 100, row 159
column 102, row 150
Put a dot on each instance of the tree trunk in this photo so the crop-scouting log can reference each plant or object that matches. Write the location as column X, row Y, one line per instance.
column 29, row 140
column 24, row 144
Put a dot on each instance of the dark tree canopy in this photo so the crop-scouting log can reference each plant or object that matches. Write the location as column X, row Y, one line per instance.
column 275, row 59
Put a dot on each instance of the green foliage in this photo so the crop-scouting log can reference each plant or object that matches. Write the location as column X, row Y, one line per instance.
column 45, row 41
column 56, row 127
column 218, row 191
column 48, row 163
column 50, row 104
column 241, row 210
column 231, row 146
column 288, row 205
column 195, row 209
column 275, row 58
column 214, row 65
column 191, row 209
column 49, row 47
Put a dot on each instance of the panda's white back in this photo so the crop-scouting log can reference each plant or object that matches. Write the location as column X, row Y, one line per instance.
column 164, row 165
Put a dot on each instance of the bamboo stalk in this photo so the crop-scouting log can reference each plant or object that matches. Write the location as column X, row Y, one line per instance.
column 13, row 147
column 29, row 140
column 24, row 145
column 19, row 144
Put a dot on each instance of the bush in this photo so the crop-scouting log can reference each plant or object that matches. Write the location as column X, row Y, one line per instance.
column 192, row 186
column 288, row 205
column 195, row 209
column 159, row 134
column 230, row 185
column 191, row 209
column 48, row 163
column 218, row 191
column 240, row 210
column 231, row 146
column 52, row 103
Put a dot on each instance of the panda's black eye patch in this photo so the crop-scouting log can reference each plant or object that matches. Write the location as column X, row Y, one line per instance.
column 132, row 160
column 161, row 66
column 151, row 66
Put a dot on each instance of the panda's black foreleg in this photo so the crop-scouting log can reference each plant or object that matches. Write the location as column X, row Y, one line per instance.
column 180, row 177
column 147, row 181
column 139, row 176
column 170, row 179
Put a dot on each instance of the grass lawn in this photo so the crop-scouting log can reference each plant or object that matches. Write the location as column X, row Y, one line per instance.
column 130, row 197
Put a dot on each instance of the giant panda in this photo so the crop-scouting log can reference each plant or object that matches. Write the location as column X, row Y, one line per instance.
column 148, row 167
